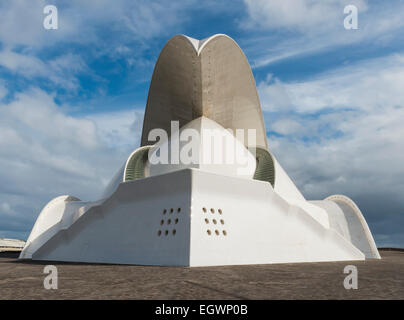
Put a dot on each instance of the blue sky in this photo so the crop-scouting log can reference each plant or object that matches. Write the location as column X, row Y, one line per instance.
column 72, row 99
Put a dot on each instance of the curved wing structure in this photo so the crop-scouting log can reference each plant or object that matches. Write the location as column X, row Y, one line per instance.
column 46, row 224
column 348, row 220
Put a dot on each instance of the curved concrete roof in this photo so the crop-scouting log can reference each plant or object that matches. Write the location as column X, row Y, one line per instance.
column 210, row 78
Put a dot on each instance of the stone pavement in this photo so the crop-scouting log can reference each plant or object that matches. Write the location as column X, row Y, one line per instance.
column 377, row 279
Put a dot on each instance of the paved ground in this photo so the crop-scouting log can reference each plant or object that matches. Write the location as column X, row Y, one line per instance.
column 378, row 279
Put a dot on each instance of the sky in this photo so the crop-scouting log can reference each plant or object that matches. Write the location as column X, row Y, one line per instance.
column 72, row 99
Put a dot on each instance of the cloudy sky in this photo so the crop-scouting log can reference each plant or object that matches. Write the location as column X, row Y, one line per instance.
column 72, row 99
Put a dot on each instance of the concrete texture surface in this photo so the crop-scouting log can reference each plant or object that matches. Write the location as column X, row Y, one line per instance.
column 377, row 279
column 214, row 81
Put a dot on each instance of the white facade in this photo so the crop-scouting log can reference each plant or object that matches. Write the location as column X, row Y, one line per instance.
column 204, row 213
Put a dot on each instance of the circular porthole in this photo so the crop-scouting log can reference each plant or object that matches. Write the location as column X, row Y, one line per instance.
column 214, row 221
column 209, row 232
column 221, row 221
column 224, row 232
column 220, row 211
column 217, row 232
column 161, row 222
column 207, row 221
column 164, row 211
column 176, row 221
column 179, row 210
column 204, row 209
column 174, row 232
column 159, row 233
column 166, row 233
column 168, row 221
column 212, row 210
column 171, row 210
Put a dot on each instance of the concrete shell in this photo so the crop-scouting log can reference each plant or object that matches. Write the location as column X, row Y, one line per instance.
column 210, row 78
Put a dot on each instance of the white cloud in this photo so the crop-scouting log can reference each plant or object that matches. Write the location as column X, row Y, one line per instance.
column 61, row 71
column 149, row 18
column 128, row 26
column 5, row 207
column 372, row 84
column 287, row 126
column 21, row 22
column 118, row 129
column 274, row 95
column 299, row 14
column 300, row 27
column 45, row 153
column 35, row 110
column 343, row 133
column 3, row 90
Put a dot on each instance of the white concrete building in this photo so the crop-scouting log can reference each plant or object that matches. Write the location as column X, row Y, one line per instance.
column 201, row 213
column 11, row 244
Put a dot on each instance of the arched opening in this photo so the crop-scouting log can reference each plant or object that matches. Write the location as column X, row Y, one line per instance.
column 136, row 164
column 265, row 170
